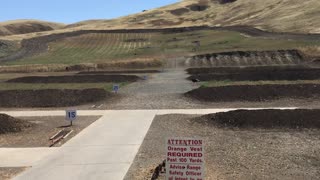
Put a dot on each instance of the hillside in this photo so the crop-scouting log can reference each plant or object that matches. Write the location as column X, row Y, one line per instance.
column 187, row 28
column 271, row 15
column 27, row 26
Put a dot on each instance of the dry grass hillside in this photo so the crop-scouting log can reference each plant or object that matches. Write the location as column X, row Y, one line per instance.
column 272, row 15
column 27, row 26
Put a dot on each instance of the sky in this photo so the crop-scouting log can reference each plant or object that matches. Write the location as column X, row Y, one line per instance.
column 71, row 11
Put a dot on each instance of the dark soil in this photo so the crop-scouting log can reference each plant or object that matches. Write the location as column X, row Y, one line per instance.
column 75, row 79
column 120, row 72
column 270, row 118
column 306, row 74
column 255, row 92
column 51, row 97
column 10, row 124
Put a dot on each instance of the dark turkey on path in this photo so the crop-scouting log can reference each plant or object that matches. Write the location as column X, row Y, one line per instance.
column 195, row 80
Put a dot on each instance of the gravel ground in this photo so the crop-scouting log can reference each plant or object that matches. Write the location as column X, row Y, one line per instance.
column 160, row 91
column 234, row 154
column 8, row 173
column 44, row 127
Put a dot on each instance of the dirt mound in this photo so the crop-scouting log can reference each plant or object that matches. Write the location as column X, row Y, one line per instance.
column 51, row 97
column 120, row 72
column 302, row 74
column 244, row 58
column 269, row 118
column 10, row 124
column 75, row 79
column 255, row 92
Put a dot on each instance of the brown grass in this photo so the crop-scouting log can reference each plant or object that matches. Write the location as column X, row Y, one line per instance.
column 27, row 26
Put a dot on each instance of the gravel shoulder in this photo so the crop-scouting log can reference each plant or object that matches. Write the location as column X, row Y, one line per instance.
column 234, row 153
column 43, row 128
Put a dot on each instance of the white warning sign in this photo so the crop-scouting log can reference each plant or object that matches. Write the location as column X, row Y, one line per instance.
column 185, row 159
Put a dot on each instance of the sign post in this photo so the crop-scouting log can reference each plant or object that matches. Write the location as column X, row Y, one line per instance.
column 185, row 159
column 116, row 88
column 71, row 115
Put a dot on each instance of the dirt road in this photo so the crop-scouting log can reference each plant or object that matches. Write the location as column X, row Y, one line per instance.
column 160, row 91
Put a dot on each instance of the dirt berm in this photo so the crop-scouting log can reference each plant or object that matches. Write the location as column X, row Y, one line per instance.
column 51, row 97
column 75, row 79
column 267, row 118
column 245, row 58
column 10, row 124
column 307, row 74
column 246, row 69
column 255, row 92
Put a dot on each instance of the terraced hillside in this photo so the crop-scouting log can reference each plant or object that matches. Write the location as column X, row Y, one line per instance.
column 123, row 45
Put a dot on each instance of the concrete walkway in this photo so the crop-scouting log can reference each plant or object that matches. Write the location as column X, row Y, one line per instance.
column 23, row 157
column 104, row 150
